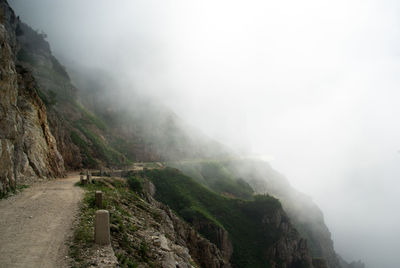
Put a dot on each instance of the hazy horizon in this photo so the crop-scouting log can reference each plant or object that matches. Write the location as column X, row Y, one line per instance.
column 311, row 86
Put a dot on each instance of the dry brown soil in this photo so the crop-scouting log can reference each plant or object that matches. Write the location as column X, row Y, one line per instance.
column 35, row 224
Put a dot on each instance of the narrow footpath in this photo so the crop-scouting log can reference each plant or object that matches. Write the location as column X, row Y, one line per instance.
column 35, row 224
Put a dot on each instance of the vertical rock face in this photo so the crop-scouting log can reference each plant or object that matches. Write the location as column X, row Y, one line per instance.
column 219, row 235
column 304, row 214
column 290, row 250
column 27, row 148
column 55, row 86
column 203, row 251
column 320, row 263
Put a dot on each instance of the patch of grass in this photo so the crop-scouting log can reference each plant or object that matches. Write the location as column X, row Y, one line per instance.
column 143, row 250
column 100, row 147
column 13, row 190
column 117, row 197
column 90, row 118
column 88, row 160
column 217, row 176
column 135, row 183
column 84, row 232
column 125, row 261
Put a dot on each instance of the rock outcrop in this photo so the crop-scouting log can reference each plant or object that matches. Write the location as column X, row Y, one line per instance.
column 304, row 214
column 28, row 150
column 220, row 236
column 290, row 250
column 201, row 250
column 178, row 237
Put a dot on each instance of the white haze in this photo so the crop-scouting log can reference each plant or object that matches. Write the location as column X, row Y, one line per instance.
column 312, row 86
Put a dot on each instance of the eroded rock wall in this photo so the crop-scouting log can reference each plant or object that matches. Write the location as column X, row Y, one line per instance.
column 28, row 150
column 290, row 250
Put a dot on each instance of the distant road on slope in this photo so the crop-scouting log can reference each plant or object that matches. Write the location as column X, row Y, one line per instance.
column 35, row 224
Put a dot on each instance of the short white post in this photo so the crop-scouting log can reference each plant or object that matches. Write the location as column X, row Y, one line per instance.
column 102, row 228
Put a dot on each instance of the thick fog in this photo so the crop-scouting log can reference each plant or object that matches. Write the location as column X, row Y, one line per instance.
column 311, row 86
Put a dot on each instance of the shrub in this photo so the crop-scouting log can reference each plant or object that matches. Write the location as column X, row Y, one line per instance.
column 135, row 184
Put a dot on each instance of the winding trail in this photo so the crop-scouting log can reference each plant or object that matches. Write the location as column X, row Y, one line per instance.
column 35, row 224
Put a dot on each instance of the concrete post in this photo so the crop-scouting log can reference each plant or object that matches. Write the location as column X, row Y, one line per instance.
column 89, row 177
column 99, row 199
column 102, row 228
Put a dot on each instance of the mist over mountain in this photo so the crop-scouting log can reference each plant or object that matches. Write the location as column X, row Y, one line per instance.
column 311, row 87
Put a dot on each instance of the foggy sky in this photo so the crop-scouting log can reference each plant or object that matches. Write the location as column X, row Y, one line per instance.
column 311, row 86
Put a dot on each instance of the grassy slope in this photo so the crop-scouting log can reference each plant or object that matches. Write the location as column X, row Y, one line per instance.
column 115, row 195
column 216, row 176
column 242, row 219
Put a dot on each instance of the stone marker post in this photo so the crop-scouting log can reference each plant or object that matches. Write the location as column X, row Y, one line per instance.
column 102, row 228
column 99, row 199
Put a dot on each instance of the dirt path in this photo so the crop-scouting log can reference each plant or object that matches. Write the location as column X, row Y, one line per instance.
column 35, row 224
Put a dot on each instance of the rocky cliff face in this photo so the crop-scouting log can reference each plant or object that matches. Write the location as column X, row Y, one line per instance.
column 290, row 250
column 305, row 215
column 201, row 250
column 220, row 236
column 28, row 149
column 55, row 89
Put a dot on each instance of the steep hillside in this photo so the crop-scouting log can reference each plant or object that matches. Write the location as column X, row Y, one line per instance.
column 95, row 126
column 243, row 177
column 28, row 150
column 82, row 138
column 260, row 231
column 143, row 120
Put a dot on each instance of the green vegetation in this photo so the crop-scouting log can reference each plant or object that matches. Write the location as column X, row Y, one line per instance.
column 87, row 160
column 13, row 190
column 124, row 146
column 250, row 235
column 135, row 183
column 89, row 118
column 96, row 141
column 117, row 199
column 84, row 231
column 217, row 176
column 100, row 147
